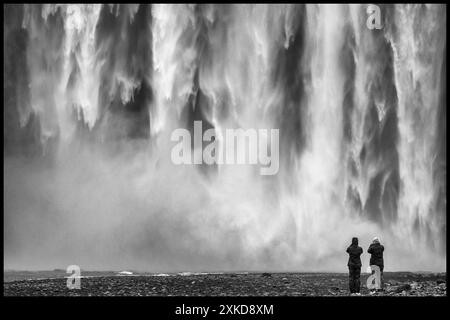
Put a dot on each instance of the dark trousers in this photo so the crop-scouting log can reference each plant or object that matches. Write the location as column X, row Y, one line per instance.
column 354, row 275
column 381, row 276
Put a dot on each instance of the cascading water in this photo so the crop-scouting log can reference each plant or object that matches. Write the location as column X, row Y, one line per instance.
column 93, row 92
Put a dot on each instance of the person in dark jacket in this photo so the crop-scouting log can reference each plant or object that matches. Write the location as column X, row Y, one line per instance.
column 376, row 250
column 354, row 266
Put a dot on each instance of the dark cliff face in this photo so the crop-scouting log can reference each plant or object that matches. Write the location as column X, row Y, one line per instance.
column 123, row 44
column 16, row 93
column 35, row 44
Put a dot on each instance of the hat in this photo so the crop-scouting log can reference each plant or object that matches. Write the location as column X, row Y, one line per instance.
column 376, row 240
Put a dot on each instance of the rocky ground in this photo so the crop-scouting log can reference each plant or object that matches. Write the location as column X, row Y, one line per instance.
column 228, row 284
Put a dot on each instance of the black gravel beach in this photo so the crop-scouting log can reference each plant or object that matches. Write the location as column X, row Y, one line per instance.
column 226, row 284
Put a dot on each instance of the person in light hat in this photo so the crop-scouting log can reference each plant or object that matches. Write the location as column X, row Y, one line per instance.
column 376, row 250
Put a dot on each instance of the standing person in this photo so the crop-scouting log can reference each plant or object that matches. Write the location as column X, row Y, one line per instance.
column 376, row 258
column 354, row 266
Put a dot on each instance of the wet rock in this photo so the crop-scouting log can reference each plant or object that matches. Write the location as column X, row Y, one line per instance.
column 402, row 288
column 414, row 285
column 335, row 288
column 332, row 292
column 266, row 274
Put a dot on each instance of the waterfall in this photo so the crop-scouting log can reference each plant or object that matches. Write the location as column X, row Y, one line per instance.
column 93, row 92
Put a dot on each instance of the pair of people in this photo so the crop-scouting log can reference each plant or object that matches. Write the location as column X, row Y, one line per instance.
column 354, row 261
